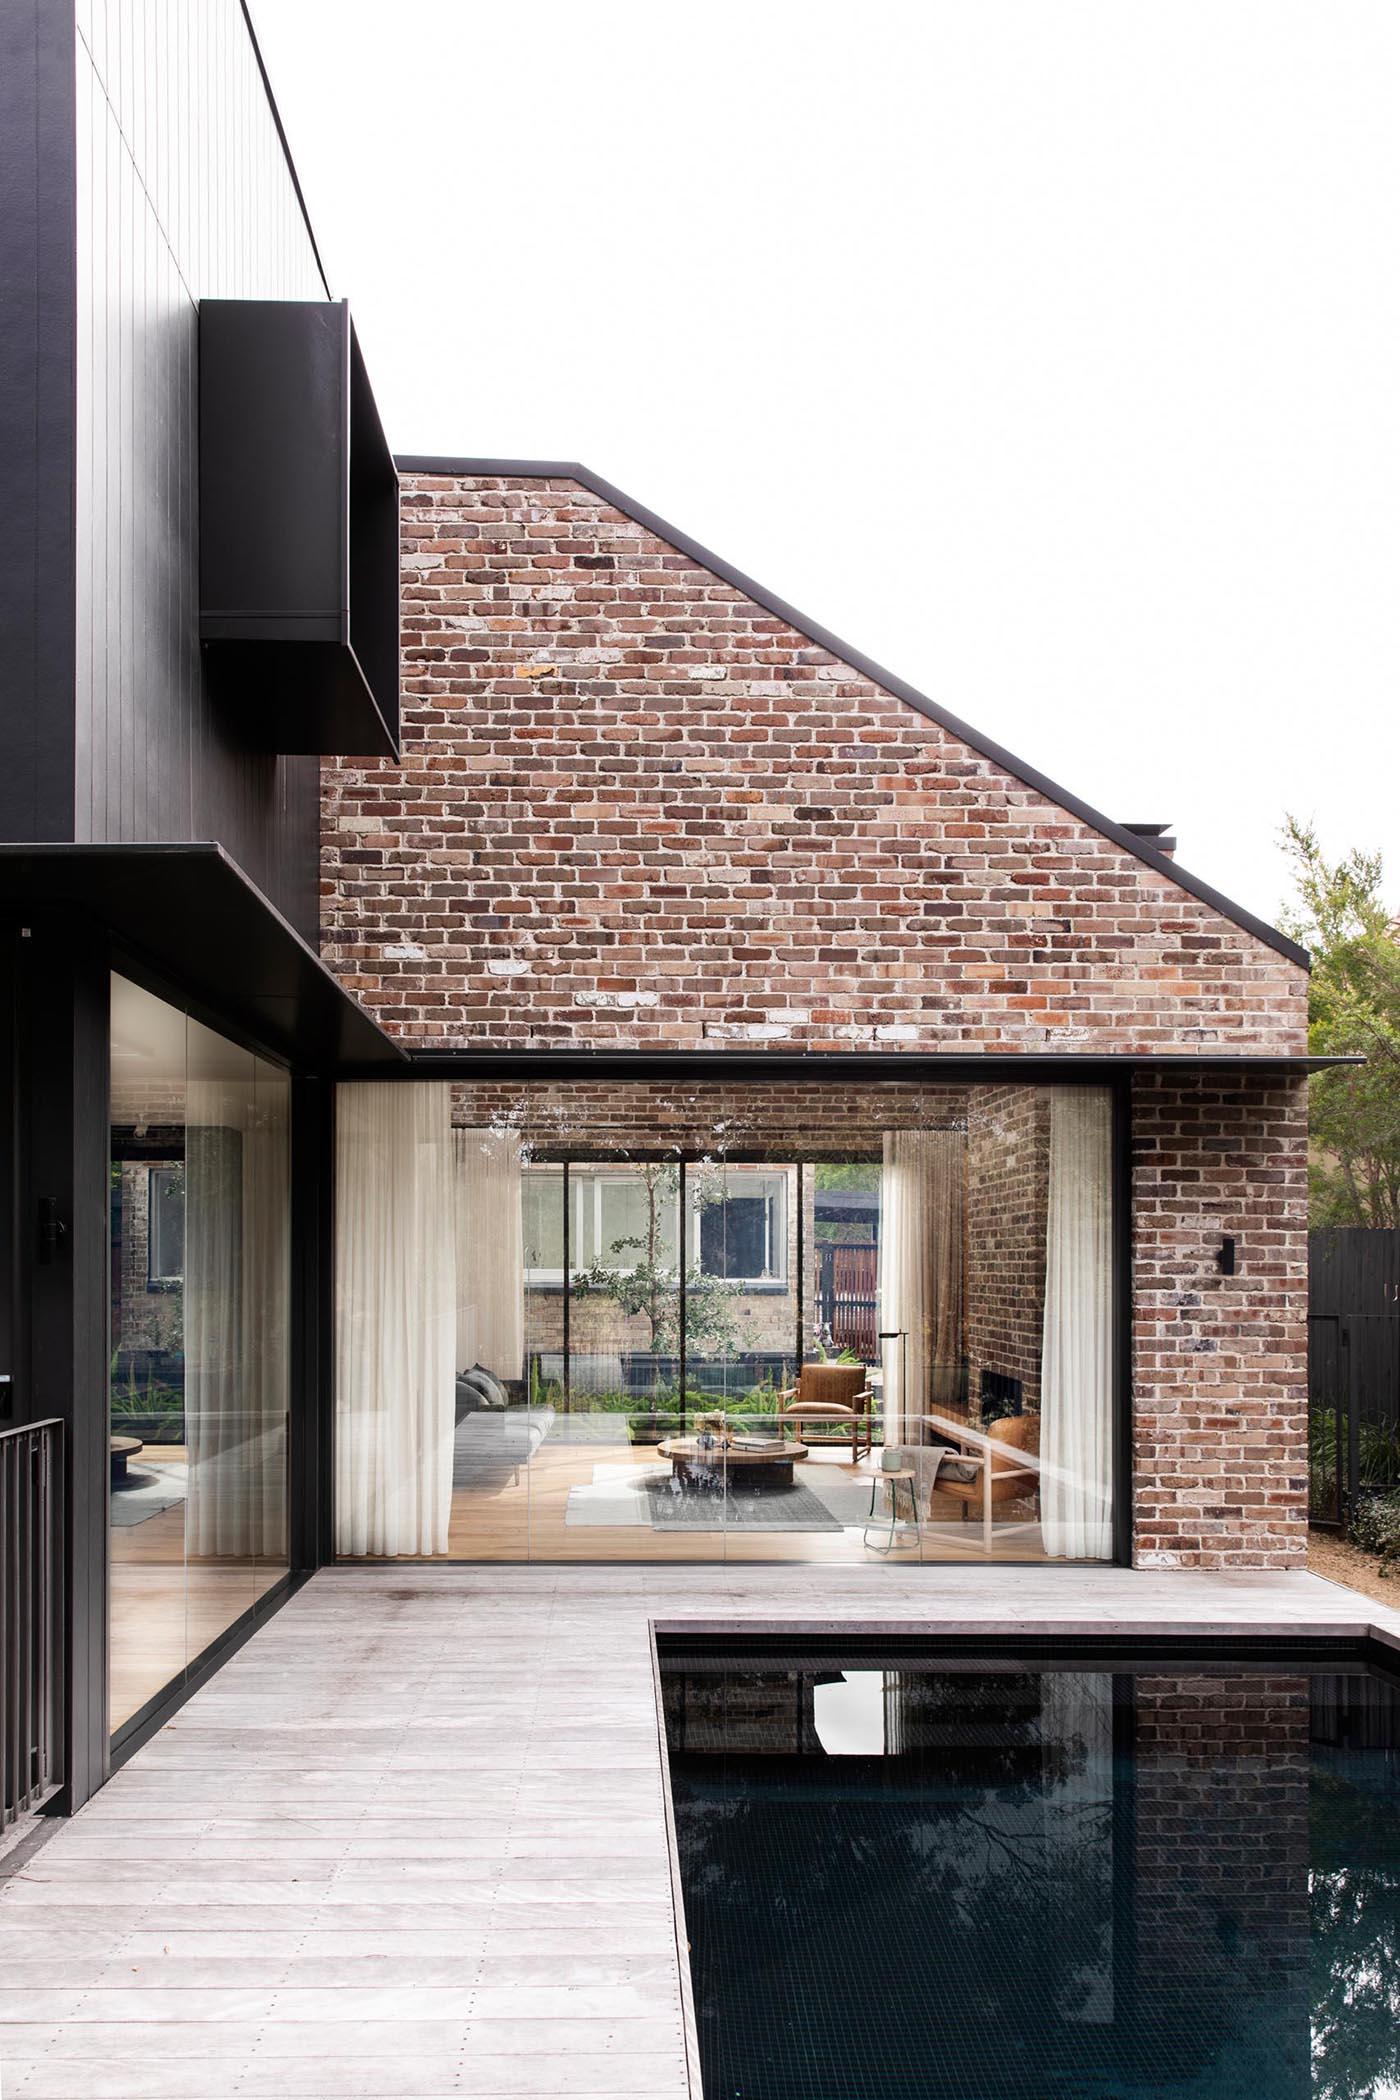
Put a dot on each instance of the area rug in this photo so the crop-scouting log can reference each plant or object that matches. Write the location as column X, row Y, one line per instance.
column 147, row 1491
column 775, row 1509
column 645, row 1497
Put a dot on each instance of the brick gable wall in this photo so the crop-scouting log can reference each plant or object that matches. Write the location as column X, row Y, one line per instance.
column 635, row 809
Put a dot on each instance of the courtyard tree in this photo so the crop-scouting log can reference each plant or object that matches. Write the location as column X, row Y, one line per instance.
column 1353, row 1008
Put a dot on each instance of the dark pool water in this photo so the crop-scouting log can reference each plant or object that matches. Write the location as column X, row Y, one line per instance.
column 1039, row 1877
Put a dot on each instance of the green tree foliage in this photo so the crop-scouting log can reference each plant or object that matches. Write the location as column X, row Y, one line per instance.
column 641, row 1274
column 1353, row 1006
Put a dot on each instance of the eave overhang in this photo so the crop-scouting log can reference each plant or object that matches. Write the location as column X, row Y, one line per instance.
column 189, row 913
column 902, row 1066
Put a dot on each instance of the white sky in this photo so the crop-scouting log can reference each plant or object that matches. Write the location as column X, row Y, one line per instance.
column 1048, row 350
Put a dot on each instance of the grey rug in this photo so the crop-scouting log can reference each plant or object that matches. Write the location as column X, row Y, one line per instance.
column 776, row 1509
column 147, row 1491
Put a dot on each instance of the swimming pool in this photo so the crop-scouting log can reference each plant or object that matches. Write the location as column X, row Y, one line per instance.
column 1068, row 1873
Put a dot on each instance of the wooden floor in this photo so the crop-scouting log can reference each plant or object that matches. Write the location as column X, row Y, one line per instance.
column 526, row 1522
column 411, row 1841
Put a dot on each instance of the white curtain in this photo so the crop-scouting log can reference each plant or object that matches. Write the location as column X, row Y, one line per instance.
column 1076, row 1395
column 921, row 1275
column 490, row 1252
column 395, row 1326
column 218, row 1520
column 267, row 1260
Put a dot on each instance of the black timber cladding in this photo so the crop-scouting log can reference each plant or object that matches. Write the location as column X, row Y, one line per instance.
column 38, row 417
column 191, row 914
column 299, row 530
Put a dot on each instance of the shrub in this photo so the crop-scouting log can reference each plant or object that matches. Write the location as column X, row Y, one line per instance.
column 1375, row 1527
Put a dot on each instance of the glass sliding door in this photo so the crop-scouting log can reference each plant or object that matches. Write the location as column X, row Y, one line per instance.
column 870, row 1324
column 594, row 1486
column 200, row 1202
column 149, row 1455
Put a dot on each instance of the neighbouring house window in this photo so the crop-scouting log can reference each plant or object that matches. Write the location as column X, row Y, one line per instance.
column 743, row 1230
column 165, row 1242
column 618, row 1217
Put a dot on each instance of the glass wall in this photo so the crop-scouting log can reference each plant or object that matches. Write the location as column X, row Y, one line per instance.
column 647, row 1322
column 200, row 1206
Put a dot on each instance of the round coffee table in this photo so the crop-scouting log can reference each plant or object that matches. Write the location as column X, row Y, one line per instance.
column 710, row 1469
column 120, row 1449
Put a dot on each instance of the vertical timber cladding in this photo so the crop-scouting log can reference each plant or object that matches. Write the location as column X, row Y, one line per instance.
column 638, row 809
column 183, row 192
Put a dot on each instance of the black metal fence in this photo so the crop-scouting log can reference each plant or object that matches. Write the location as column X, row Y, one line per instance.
column 31, row 1616
column 1353, row 1368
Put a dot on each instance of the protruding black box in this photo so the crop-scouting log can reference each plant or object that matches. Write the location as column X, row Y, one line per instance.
column 299, row 530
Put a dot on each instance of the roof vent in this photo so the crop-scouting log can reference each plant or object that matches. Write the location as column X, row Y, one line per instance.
column 1158, row 835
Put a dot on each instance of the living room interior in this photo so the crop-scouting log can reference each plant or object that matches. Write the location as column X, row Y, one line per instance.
column 671, row 1323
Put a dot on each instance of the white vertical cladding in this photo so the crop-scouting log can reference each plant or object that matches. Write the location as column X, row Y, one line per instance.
column 184, row 193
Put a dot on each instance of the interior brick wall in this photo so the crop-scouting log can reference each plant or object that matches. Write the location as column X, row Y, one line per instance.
column 767, row 1119
column 1220, row 1362
column 635, row 808
column 1008, row 1176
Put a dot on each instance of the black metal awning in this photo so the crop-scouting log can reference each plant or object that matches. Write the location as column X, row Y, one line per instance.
column 893, row 1066
column 191, row 914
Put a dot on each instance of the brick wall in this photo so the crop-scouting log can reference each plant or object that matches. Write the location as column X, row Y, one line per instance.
column 1219, row 1375
column 634, row 808
column 1008, row 1174
column 1220, row 1851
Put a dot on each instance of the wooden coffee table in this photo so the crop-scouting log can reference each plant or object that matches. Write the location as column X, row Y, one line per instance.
column 696, row 1470
column 120, row 1449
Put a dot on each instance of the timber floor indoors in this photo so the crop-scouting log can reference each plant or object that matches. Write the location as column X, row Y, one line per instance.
column 543, row 1515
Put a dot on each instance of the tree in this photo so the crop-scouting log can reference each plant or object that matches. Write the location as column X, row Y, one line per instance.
column 641, row 1273
column 1353, row 1006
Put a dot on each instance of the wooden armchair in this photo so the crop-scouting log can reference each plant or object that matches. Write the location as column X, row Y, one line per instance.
column 830, row 1404
column 998, row 1464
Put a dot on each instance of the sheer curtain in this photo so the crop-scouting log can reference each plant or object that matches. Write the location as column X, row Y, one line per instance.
column 395, row 1338
column 218, row 1520
column 1076, row 1396
column 490, row 1251
column 921, row 1275
column 267, row 1256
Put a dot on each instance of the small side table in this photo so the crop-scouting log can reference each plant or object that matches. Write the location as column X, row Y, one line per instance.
column 903, row 1476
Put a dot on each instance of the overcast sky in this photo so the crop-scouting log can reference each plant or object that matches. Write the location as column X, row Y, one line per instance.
column 1049, row 352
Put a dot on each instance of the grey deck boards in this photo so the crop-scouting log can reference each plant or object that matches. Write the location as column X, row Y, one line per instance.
column 412, row 1842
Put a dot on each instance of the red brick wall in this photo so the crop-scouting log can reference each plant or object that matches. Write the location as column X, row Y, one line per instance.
column 635, row 808
column 1221, row 1864
column 1008, row 1176
column 1220, row 1362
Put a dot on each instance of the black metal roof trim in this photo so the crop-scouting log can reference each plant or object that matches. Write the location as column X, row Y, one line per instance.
column 191, row 914
column 1029, row 776
column 286, row 149
column 837, row 1065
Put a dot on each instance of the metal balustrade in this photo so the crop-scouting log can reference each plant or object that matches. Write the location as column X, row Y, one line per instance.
column 31, row 1616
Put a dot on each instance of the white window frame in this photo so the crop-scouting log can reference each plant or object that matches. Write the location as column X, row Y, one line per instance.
column 158, row 1278
column 776, row 1182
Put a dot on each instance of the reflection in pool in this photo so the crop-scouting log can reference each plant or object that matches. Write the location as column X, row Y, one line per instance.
column 911, row 1876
